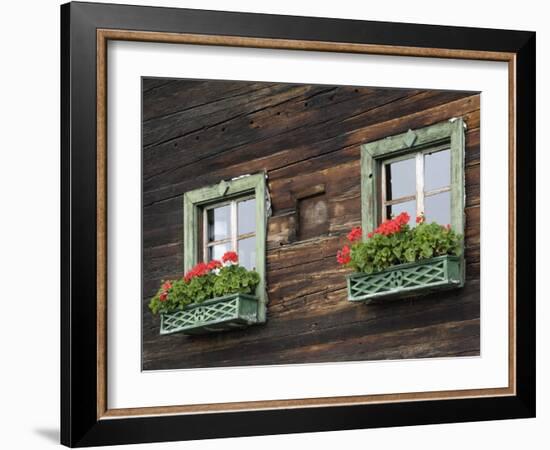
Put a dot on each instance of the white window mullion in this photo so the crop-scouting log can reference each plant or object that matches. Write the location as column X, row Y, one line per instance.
column 419, row 184
column 234, row 225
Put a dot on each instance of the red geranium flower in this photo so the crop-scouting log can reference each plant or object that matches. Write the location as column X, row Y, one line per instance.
column 163, row 297
column 198, row 271
column 393, row 226
column 214, row 264
column 230, row 257
column 188, row 276
column 355, row 234
column 403, row 218
column 343, row 256
column 167, row 285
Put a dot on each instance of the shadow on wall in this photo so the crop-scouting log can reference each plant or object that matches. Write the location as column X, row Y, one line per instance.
column 49, row 434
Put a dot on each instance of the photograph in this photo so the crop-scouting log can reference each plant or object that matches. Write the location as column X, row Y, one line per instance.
column 287, row 223
column 279, row 221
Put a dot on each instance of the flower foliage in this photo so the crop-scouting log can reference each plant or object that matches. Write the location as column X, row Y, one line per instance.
column 395, row 242
column 203, row 282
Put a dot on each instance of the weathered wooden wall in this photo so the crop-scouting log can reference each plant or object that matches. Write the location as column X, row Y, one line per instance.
column 306, row 137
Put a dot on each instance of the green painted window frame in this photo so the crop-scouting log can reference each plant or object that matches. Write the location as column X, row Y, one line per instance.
column 193, row 203
column 451, row 132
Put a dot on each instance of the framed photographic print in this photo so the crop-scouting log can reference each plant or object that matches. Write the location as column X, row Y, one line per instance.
column 276, row 224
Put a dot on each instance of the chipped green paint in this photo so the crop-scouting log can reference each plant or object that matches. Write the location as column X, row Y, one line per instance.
column 214, row 315
column 372, row 153
column 194, row 201
column 417, row 278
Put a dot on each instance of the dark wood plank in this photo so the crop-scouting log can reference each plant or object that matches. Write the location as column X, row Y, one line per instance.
column 176, row 96
column 314, row 155
column 315, row 322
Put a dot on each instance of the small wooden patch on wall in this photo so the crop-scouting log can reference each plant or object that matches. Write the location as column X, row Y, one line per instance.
column 311, row 213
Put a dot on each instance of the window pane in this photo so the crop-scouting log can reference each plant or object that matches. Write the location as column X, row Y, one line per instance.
column 247, row 216
column 438, row 208
column 219, row 223
column 400, row 179
column 409, row 207
column 247, row 252
column 437, row 170
column 217, row 251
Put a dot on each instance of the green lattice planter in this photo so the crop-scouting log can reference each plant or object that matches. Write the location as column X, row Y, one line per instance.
column 418, row 278
column 217, row 314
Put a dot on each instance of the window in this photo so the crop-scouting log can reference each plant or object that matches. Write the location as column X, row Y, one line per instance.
column 230, row 215
column 418, row 183
column 230, row 226
column 419, row 172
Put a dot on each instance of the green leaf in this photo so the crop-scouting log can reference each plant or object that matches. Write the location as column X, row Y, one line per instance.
column 231, row 280
column 410, row 255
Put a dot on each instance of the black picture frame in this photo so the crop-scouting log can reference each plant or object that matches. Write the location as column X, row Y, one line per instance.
column 80, row 425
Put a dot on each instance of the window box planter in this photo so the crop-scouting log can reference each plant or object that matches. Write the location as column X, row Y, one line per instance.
column 217, row 314
column 418, row 278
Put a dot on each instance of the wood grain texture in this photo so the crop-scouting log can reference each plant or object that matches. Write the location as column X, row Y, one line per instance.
column 291, row 44
column 101, row 224
column 304, row 136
